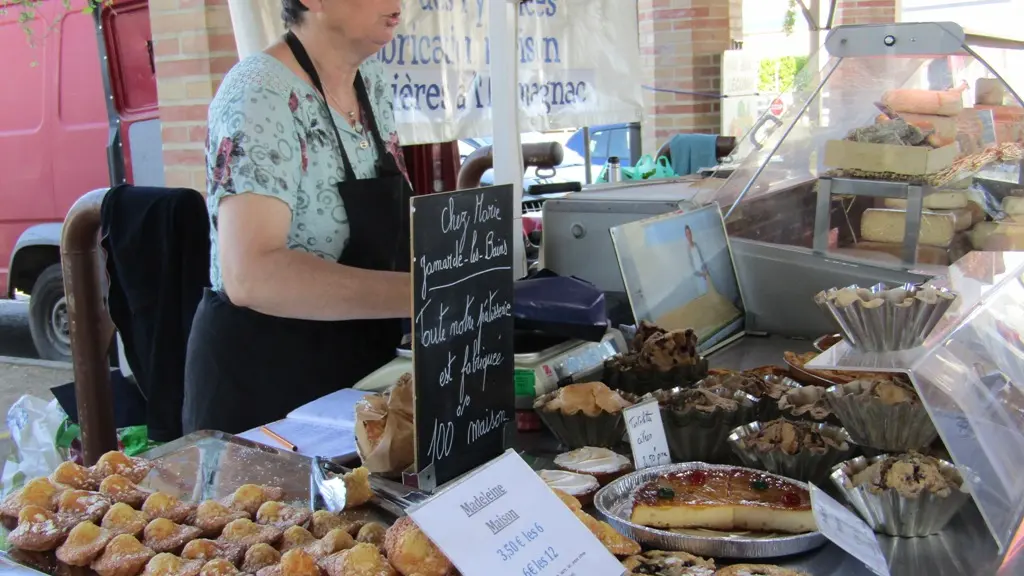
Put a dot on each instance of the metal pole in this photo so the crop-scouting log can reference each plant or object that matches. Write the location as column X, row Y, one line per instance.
column 586, row 153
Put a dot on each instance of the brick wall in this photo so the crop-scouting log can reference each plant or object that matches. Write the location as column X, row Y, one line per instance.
column 866, row 11
column 681, row 45
column 194, row 47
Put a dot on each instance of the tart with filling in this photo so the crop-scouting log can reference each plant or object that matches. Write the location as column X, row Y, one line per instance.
column 600, row 463
column 757, row 570
column 582, row 487
column 659, row 563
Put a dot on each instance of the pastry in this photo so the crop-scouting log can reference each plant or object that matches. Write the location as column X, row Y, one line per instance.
column 906, row 495
column 615, row 542
column 259, row 557
column 767, row 384
column 658, row 360
column 162, row 535
column 601, row 463
column 411, row 552
column 360, row 560
column 725, row 499
column 245, row 532
column 384, row 428
column 585, row 414
column 582, row 487
column 799, row 361
column 161, row 505
column 295, row 537
column 39, row 492
column 205, row 550
column 658, row 563
column 120, row 489
column 757, row 570
column 569, row 500
column 211, row 517
column 293, row 563
column 85, row 542
column 38, row 530
column 372, row 533
column 74, row 506
column 357, row 487
column 123, row 519
column 134, row 469
column 698, row 421
column 249, row 497
column 123, row 556
column 165, row 564
column 335, row 541
column 644, row 332
column 219, row 567
column 282, row 515
column 807, row 403
column 800, row 450
column 324, row 521
column 75, row 476
column 884, row 413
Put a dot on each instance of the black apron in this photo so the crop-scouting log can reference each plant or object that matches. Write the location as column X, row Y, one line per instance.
column 244, row 368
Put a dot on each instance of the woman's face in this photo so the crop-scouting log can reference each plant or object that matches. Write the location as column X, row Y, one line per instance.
column 368, row 22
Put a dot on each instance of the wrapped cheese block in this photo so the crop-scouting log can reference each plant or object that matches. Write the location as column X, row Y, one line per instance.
column 997, row 236
column 942, row 126
column 893, row 253
column 1013, row 205
column 978, row 213
column 878, row 225
column 940, row 200
column 989, row 91
column 913, row 101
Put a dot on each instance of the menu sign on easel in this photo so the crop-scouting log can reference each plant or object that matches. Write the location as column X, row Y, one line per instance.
column 463, row 369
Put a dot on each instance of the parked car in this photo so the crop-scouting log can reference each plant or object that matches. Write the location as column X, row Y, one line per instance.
column 54, row 133
column 622, row 140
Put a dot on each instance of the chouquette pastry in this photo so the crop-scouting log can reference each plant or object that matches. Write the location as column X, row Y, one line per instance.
column 40, row 492
column 165, row 564
column 249, row 497
column 582, row 487
column 259, row 557
column 360, row 560
column 134, row 469
column 121, row 489
column 162, row 535
column 724, row 499
column 85, row 542
column 39, row 530
column 282, row 515
column 601, row 463
column 659, row 563
column 757, row 570
column 123, row 556
column 162, row 505
column 75, row 476
column 357, row 487
column 211, row 517
column 206, row 550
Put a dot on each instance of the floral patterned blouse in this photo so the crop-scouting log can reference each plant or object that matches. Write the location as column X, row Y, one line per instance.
column 269, row 134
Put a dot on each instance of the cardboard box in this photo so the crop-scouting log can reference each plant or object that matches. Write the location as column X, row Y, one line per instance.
column 909, row 160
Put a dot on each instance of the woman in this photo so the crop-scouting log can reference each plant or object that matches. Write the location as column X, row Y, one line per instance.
column 310, row 241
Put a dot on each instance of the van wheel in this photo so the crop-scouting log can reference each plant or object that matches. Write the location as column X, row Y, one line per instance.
column 48, row 316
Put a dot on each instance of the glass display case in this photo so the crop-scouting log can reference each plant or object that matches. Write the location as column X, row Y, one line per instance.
column 788, row 189
column 969, row 374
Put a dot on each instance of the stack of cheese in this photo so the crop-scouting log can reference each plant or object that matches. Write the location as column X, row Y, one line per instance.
column 946, row 213
column 1007, row 235
column 933, row 111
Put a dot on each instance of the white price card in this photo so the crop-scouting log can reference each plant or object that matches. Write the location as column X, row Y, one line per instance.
column 503, row 520
column 646, row 435
column 846, row 530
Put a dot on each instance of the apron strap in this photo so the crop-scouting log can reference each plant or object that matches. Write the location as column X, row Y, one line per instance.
column 306, row 63
column 383, row 154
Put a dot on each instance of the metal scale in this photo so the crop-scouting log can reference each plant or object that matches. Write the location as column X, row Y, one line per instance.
column 548, row 360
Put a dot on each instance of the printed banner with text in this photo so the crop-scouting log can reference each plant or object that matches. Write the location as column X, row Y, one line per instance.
column 579, row 65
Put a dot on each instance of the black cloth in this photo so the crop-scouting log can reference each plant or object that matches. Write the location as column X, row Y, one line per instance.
column 157, row 245
column 245, row 368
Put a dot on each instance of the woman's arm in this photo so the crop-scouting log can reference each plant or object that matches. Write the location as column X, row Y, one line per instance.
column 261, row 273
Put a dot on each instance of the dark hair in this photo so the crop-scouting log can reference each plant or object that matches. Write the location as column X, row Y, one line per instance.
column 292, row 12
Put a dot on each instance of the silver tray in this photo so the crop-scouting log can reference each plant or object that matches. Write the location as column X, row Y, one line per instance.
column 615, row 503
column 806, row 378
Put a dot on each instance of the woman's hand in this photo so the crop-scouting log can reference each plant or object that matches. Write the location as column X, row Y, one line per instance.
column 260, row 271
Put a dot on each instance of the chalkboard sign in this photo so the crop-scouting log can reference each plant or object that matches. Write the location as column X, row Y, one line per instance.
column 462, row 329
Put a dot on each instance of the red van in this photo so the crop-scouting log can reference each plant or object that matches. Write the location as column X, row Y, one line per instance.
column 60, row 109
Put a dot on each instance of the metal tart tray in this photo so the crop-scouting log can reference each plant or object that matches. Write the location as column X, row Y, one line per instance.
column 806, row 377
column 615, row 503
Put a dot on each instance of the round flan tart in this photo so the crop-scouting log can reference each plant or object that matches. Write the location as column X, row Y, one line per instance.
column 601, row 463
column 581, row 486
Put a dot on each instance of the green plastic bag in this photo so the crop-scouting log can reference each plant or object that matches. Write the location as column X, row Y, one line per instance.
column 663, row 168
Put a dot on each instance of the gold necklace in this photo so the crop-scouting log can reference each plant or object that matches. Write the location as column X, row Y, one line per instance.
column 349, row 114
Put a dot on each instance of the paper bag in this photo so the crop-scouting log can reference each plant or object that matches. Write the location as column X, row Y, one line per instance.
column 384, row 429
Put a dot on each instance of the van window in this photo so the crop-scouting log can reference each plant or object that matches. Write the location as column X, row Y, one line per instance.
column 599, row 146
column 618, row 145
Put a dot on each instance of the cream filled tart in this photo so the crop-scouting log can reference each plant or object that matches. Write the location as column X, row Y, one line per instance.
column 601, row 463
column 580, row 486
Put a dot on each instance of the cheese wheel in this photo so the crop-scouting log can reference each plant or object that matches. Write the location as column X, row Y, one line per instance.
column 978, row 213
column 894, row 252
column 997, row 236
column 941, row 200
column 937, row 102
column 962, row 218
column 1013, row 205
column 878, row 225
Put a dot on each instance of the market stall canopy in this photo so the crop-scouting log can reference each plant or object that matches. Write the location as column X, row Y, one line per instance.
column 579, row 64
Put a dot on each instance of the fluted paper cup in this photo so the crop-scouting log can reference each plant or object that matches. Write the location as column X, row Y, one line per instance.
column 874, row 424
column 606, row 430
column 891, row 513
column 805, row 465
column 697, row 436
